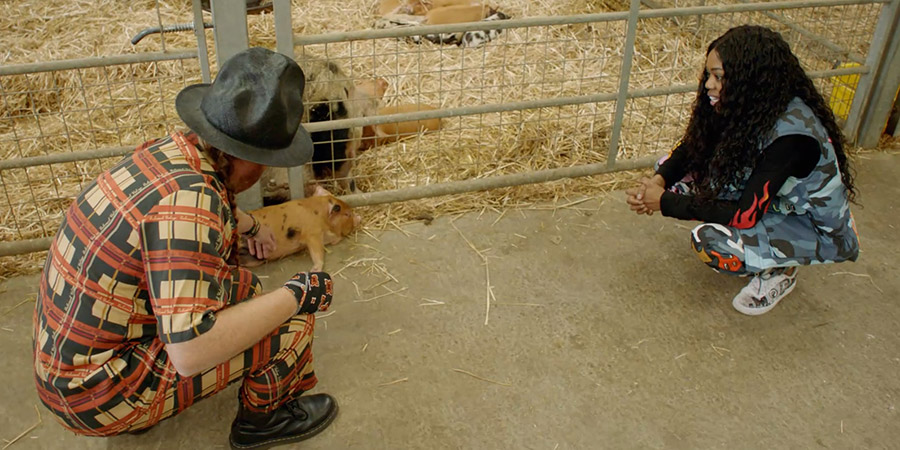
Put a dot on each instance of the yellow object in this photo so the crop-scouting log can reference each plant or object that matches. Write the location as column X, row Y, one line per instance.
column 842, row 91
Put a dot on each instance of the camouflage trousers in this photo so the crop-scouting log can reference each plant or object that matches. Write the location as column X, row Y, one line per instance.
column 777, row 240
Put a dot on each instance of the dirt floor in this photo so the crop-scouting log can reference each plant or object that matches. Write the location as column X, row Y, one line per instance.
column 606, row 332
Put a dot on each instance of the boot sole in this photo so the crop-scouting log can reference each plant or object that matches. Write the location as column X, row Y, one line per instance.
column 287, row 440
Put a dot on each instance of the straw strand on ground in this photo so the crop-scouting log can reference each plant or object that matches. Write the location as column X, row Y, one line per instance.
column 16, row 306
column 487, row 274
column 29, row 430
column 481, row 378
column 380, row 296
column 395, row 381
column 355, row 263
column 862, row 275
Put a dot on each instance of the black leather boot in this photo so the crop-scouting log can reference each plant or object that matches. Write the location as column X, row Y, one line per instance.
column 296, row 420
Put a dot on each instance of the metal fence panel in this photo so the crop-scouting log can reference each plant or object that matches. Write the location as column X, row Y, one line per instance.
column 546, row 98
column 62, row 114
column 566, row 59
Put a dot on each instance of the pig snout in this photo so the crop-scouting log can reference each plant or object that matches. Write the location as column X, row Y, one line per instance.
column 345, row 223
column 373, row 89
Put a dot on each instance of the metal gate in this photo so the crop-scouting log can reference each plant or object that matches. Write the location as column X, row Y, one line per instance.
column 546, row 98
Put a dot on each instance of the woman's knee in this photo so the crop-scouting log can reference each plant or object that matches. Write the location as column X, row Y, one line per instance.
column 718, row 247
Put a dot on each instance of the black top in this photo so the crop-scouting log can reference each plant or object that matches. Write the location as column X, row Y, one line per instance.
column 788, row 156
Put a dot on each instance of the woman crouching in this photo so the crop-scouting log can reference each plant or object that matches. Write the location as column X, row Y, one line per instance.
column 762, row 164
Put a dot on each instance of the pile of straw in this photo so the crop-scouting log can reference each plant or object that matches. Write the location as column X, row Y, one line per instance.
column 125, row 105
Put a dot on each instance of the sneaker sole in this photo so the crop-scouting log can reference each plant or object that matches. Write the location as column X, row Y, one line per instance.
column 764, row 309
column 287, row 440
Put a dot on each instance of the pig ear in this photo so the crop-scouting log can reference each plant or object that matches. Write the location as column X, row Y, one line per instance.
column 320, row 191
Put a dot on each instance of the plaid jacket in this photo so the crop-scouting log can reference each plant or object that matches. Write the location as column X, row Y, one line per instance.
column 139, row 261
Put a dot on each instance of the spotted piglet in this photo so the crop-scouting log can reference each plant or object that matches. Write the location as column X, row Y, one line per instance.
column 309, row 223
column 477, row 38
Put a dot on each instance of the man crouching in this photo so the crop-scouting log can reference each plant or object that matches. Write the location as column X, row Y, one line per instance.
column 143, row 310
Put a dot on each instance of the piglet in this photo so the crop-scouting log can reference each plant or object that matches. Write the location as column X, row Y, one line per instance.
column 434, row 4
column 335, row 150
column 415, row 7
column 384, row 133
column 456, row 14
column 309, row 223
column 366, row 96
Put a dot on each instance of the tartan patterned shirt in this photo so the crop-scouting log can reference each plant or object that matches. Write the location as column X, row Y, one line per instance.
column 139, row 261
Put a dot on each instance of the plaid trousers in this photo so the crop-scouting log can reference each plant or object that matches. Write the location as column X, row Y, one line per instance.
column 140, row 261
column 278, row 368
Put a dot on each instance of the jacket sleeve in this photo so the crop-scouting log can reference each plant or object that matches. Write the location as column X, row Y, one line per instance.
column 788, row 156
column 673, row 169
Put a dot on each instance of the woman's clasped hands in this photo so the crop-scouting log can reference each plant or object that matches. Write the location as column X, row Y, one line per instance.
column 644, row 199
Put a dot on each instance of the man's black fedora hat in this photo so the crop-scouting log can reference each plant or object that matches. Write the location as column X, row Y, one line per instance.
column 252, row 109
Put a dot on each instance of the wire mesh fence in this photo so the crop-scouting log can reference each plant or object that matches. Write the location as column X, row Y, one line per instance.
column 539, row 95
column 570, row 61
column 521, row 65
column 71, row 111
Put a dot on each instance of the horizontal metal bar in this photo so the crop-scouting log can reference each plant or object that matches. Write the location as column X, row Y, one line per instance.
column 751, row 7
column 300, row 39
column 85, row 63
column 653, row 5
column 532, row 104
column 458, row 111
column 853, row 56
column 860, row 69
column 26, row 246
column 500, row 181
column 59, row 158
column 417, row 192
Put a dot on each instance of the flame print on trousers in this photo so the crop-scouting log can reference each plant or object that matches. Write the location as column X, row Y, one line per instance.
column 731, row 263
column 748, row 218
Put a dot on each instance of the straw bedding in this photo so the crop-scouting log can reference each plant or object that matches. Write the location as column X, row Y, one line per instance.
column 124, row 105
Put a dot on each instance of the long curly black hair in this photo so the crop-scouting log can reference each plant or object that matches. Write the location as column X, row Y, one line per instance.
column 762, row 76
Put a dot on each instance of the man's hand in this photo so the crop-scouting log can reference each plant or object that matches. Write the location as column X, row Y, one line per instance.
column 263, row 244
column 313, row 291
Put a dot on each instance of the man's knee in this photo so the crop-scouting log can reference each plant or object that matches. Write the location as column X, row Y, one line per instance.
column 244, row 285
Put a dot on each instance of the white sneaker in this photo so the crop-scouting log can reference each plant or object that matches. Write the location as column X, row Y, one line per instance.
column 765, row 291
